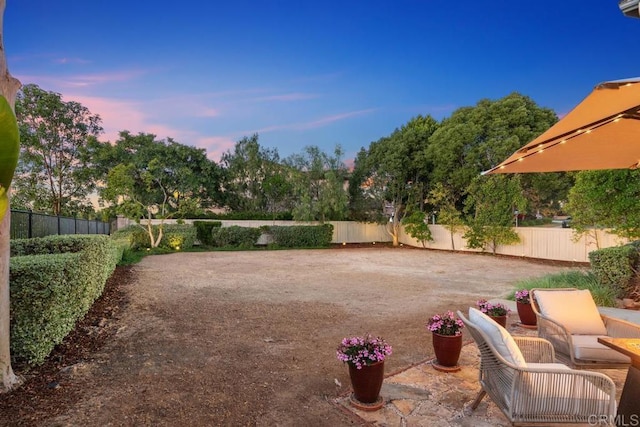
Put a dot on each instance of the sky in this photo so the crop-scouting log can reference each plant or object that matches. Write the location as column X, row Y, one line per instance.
column 208, row 73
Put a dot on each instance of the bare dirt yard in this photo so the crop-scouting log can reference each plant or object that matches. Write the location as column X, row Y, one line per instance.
column 248, row 338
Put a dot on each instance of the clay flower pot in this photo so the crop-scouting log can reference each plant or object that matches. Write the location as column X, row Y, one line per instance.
column 527, row 316
column 367, row 382
column 500, row 320
column 447, row 349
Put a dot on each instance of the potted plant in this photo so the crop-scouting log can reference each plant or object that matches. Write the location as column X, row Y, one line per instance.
column 498, row 312
column 365, row 357
column 446, row 331
column 525, row 311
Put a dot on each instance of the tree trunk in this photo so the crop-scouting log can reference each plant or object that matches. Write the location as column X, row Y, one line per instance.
column 8, row 88
column 7, row 378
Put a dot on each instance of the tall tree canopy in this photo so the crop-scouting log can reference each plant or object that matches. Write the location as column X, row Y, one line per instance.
column 319, row 185
column 476, row 138
column 50, row 176
column 149, row 178
column 609, row 199
column 253, row 178
column 392, row 175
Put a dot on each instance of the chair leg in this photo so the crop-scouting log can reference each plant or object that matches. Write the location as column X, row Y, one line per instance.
column 479, row 397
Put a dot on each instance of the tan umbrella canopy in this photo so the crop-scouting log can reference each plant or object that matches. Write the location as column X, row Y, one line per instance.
column 602, row 132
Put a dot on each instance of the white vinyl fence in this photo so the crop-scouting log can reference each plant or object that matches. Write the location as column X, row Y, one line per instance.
column 553, row 243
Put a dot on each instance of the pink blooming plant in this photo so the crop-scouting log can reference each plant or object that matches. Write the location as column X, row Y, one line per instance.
column 523, row 296
column 363, row 351
column 491, row 309
column 445, row 324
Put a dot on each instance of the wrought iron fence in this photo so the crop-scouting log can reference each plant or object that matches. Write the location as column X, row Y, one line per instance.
column 28, row 224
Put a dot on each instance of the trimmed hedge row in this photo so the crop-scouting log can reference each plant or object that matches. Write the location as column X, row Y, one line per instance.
column 615, row 267
column 235, row 237
column 52, row 290
column 204, row 231
column 301, row 236
column 174, row 236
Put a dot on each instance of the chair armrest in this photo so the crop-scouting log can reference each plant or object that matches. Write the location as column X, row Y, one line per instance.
column 535, row 350
column 555, row 333
column 561, row 388
column 618, row 328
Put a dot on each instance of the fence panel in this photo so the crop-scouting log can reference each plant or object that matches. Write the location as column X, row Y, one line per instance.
column 27, row 224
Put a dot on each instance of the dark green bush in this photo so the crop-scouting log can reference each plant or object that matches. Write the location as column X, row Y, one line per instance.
column 50, row 292
column 204, row 230
column 177, row 236
column 137, row 237
column 235, row 236
column 301, row 236
column 615, row 267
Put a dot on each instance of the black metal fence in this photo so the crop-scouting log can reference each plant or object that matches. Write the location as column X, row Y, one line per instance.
column 28, row 224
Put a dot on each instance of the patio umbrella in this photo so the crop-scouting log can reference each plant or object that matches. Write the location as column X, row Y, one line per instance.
column 602, row 132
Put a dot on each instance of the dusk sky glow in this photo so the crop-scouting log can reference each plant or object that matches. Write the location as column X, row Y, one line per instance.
column 207, row 73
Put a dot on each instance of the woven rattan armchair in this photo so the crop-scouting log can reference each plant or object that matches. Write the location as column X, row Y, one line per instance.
column 536, row 390
column 572, row 323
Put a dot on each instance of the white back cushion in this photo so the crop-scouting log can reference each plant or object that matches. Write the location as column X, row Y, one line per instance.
column 500, row 339
column 575, row 310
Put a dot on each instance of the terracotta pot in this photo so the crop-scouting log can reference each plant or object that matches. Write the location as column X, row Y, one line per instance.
column 500, row 320
column 527, row 316
column 367, row 382
column 447, row 349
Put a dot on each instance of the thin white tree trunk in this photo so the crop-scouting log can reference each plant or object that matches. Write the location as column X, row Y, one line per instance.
column 8, row 88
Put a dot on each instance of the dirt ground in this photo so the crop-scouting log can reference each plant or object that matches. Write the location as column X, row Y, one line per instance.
column 248, row 338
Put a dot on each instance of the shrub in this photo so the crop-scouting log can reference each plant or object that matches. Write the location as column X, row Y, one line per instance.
column 204, row 230
column 51, row 291
column 602, row 295
column 174, row 236
column 615, row 267
column 235, row 236
column 301, row 236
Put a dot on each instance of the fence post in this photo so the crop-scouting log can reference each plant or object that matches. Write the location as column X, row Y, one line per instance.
column 30, row 225
column 75, row 223
column 58, row 217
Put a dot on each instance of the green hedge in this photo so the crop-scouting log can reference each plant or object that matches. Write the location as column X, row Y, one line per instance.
column 204, row 230
column 235, row 237
column 51, row 291
column 301, row 236
column 173, row 236
column 615, row 267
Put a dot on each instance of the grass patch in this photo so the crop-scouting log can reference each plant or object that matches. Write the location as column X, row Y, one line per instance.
column 602, row 295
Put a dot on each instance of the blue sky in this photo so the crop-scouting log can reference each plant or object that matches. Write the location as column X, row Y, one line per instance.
column 207, row 73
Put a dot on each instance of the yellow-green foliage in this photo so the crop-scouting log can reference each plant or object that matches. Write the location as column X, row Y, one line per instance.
column 53, row 283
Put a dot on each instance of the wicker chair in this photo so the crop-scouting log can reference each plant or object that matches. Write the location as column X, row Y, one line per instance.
column 535, row 390
column 569, row 319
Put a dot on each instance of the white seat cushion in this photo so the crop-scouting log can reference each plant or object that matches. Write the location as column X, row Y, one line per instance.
column 548, row 366
column 587, row 347
column 500, row 339
column 575, row 310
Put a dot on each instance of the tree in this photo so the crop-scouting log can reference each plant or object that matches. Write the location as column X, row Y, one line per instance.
column 477, row 138
column 319, row 185
column 150, row 179
column 444, row 202
column 53, row 133
column 608, row 198
column 417, row 227
column 8, row 158
column 393, row 174
column 490, row 207
column 246, row 172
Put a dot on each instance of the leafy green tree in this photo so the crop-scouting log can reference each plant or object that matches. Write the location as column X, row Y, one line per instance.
column 444, row 202
column 247, row 169
column 50, row 175
column 546, row 193
column 149, row 179
column 417, row 227
column 490, row 207
column 477, row 138
column 319, row 185
column 606, row 199
column 392, row 175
